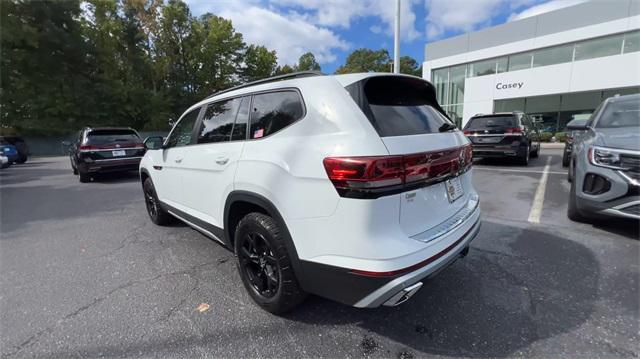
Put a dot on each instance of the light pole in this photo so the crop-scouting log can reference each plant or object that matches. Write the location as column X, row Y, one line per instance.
column 396, row 41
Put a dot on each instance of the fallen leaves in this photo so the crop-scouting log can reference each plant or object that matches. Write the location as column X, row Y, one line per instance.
column 203, row 307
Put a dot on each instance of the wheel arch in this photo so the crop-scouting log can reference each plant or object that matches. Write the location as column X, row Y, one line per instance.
column 240, row 203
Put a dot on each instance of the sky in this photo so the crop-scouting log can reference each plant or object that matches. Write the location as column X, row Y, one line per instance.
column 332, row 29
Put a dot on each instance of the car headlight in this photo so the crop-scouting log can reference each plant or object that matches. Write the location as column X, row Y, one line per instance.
column 605, row 157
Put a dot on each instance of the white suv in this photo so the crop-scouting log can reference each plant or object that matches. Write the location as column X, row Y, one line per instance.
column 351, row 187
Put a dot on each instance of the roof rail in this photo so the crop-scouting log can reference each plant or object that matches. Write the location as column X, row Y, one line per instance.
column 293, row 75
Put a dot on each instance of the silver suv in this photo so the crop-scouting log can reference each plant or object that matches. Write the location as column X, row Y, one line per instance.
column 605, row 164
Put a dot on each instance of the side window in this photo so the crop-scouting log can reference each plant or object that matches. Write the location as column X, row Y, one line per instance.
column 181, row 134
column 217, row 122
column 240, row 127
column 274, row 111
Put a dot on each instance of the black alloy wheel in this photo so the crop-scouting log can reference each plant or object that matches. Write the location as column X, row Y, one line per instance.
column 157, row 214
column 259, row 264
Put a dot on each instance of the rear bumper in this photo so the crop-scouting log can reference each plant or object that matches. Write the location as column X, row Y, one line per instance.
column 110, row 165
column 498, row 151
column 370, row 290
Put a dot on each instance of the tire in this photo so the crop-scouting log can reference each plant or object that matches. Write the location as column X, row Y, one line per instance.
column 264, row 264
column 570, row 171
column 573, row 212
column 22, row 159
column 84, row 177
column 157, row 214
column 524, row 159
column 536, row 152
column 565, row 159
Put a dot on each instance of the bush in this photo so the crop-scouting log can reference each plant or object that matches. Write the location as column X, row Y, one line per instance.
column 561, row 136
column 546, row 136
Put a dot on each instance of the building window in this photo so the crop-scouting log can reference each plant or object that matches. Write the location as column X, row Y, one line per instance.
column 553, row 55
column 440, row 79
column 503, row 63
column 605, row 46
column 631, row 42
column 519, row 62
column 483, row 68
column 457, row 75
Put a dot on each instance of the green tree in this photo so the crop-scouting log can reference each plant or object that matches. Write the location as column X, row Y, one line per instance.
column 409, row 66
column 307, row 62
column 366, row 60
column 259, row 63
column 286, row 69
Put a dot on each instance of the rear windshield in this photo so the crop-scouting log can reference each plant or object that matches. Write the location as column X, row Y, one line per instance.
column 481, row 123
column 400, row 106
column 620, row 113
column 98, row 137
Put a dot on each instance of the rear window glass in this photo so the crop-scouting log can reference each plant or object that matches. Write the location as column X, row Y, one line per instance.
column 398, row 106
column 98, row 137
column 274, row 111
column 621, row 113
column 479, row 123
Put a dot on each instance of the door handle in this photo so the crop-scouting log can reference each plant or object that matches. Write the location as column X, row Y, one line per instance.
column 178, row 160
column 222, row 160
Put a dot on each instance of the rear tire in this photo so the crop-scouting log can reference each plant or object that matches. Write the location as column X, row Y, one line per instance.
column 22, row 159
column 565, row 159
column 264, row 264
column 157, row 214
column 524, row 159
column 536, row 152
column 84, row 177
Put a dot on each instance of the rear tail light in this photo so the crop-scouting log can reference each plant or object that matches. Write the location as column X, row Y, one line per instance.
column 467, row 132
column 372, row 177
column 513, row 130
column 88, row 148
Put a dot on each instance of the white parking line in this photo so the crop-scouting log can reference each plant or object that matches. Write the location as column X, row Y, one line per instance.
column 516, row 170
column 538, row 199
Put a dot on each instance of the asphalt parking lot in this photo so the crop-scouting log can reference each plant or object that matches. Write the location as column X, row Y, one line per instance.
column 86, row 274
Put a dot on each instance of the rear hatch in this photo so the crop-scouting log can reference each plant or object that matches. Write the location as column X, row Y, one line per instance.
column 406, row 115
column 488, row 131
column 112, row 144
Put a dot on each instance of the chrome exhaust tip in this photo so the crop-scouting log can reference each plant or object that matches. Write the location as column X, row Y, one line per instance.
column 403, row 295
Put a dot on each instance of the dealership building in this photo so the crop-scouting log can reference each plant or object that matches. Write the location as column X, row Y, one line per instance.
column 555, row 66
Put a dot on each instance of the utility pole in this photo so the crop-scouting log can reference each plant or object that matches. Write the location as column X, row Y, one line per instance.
column 396, row 41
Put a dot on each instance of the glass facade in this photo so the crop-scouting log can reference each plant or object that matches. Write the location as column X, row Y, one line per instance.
column 555, row 111
column 449, row 81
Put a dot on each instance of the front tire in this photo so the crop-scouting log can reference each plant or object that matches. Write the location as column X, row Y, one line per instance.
column 157, row 214
column 524, row 159
column 264, row 264
column 565, row 159
column 573, row 212
column 84, row 177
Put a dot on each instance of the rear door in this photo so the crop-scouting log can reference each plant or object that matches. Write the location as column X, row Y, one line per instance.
column 209, row 166
column 408, row 119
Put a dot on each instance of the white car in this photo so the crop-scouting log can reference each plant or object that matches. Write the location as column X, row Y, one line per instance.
column 351, row 187
column 4, row 161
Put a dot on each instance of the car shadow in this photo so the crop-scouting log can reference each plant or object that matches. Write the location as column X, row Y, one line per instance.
column 498, row 300
column 512, row 290
column 628, row 228
column 116, row 177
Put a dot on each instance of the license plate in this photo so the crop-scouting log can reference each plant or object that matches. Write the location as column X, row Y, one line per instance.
column 453, row 188
column 119, row 153
column 488, row 139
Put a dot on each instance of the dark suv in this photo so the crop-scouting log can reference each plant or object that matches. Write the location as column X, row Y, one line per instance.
column 105, row 150
column 504, row 134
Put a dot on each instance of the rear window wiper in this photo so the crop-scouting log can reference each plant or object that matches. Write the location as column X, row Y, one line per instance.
column 447, row 127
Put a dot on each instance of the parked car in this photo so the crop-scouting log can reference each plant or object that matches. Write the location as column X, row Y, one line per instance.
column 351, row 187
column 568, row 144
column 4, row 161
column 21, row 146
column 605, row 163
column 504, row 135
column 10, row 151
column 100, row 150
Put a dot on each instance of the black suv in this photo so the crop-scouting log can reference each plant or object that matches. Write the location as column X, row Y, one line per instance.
column 105, row 150
column 504, row 134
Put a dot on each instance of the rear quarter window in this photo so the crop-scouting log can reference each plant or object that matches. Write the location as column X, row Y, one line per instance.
column 400, row 106
column 273, row 111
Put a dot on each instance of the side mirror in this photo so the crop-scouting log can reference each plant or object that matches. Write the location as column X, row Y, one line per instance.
column 153, row 142
column 577, row 127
